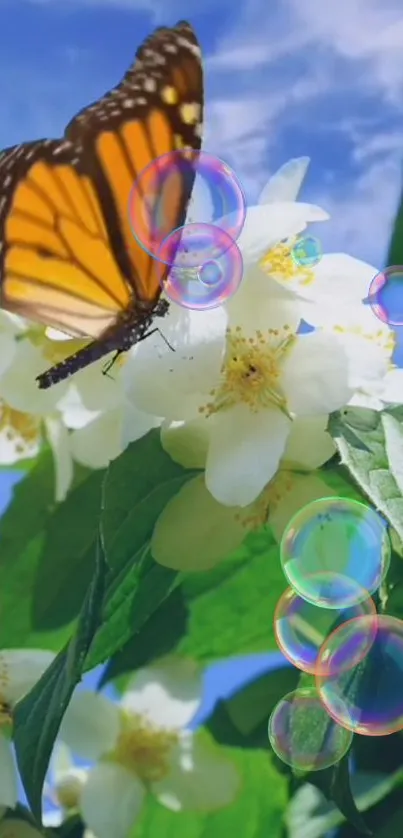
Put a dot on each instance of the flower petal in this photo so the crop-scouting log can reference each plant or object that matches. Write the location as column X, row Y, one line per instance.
column 267, row 224
column 186, row 442
column 8, row 775
column 309, row 445
column 244, row 452
column 201, row 778
column 91, row 725
column 61, row 761
column 168, row 693
column 290, row 493
column 97, row 390
column 19, row 388
column 368, row 359
column 8, row 351
column 20, row 669
column 193, row 510
column 315, row 375
column 135, row 423
column 74, row 413
column 174, row 384
column 111, row 801
column 100, row 441
column 261, row 302
column 392, row 392
column 59, row 441
column 340, row 279
column 286, row 183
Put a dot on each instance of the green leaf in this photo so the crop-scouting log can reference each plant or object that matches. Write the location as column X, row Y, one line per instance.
column 158, row 636
column 128, row 605
column 310, row 816
column 236, row 616
column 335, row 784
column 67, row 560
column 138, row 485
column 38, row 716
column 257, row 812
column 22, row 536
column 395, row 255
column 374, row 470
column 242, row 719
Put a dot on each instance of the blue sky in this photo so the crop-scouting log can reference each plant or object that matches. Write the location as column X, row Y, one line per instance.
column 283, row 79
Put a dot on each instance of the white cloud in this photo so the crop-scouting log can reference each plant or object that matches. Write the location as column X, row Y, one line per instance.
column 361, row 213
column 332, row 74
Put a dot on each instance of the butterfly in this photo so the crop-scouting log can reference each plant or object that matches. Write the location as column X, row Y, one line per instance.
column 68, row 256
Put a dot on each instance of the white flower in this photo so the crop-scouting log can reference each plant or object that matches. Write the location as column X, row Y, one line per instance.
column 249, row 383
column 286, row 183
column 63, row 787
column 85, row 419
column 141, row 746
column 221, row 529
column 20, row 669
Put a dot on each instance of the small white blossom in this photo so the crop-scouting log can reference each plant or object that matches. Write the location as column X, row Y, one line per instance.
column 20, row 669
column 142, row 746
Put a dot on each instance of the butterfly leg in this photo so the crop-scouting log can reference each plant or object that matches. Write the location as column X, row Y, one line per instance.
column 119, row 352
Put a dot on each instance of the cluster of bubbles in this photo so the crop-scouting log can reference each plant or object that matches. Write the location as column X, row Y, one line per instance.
column 205, row 262
column 385, row 295
column 335, row 553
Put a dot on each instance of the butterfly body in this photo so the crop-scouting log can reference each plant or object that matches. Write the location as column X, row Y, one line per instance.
column 68, row 255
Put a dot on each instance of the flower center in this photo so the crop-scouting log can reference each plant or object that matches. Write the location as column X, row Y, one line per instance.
column 144, row 748
column 251, row 371
column 22, row 430
column 68, row 790
column 279, row 263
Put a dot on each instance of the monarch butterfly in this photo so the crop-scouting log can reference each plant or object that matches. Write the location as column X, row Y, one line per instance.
column 68, row 257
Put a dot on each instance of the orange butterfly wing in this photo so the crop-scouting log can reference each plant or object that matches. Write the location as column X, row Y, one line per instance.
column 57, row 266
column 69, row 258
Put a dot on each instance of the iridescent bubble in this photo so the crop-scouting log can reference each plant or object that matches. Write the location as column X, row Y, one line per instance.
column 210, row 274
column 331, row 536
column 192, row 287
column 307, row 252
column 367, row 695
column 301, row 628
column 385, row 295
column 290, row 722
column 217, row 198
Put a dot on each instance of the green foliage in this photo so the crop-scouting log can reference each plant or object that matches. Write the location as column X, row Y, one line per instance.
column 38, row 716
column 257, row 813
column 242, row 605
column 131, row 611
column 368, row 459
column 241, row 720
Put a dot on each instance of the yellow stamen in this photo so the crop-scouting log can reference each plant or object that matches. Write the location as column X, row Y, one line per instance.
column 20, row 429
column 279, row 263
column 144, row 748
column 68, row 790
column 251, row 371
